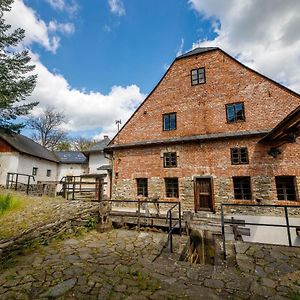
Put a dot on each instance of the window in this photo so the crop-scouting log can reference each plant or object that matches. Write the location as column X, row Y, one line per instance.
column 170, row 160
column 34, row 171
column 171, row 187
column 169, row 121
column 239, row 156
column 198, row 76
column 48, row 173
column 235, row 112
column 286, row 188
column 242, row 188
column 142, row 187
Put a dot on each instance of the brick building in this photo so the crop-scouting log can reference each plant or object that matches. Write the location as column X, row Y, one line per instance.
column 211, row 131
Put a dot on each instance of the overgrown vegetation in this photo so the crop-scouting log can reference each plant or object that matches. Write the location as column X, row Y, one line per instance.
column 8, row 202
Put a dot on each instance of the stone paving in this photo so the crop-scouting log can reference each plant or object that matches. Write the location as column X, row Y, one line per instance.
column 119, row 265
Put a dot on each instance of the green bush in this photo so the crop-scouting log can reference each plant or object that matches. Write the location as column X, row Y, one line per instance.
column 8, row 202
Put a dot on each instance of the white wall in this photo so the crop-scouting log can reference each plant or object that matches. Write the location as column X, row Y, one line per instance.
column 95, row 161
column 266, row 234
column 9, row 162
column 27, row 163
column 71, row 170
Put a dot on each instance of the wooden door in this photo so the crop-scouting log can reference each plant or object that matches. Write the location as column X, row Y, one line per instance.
column 203, row 194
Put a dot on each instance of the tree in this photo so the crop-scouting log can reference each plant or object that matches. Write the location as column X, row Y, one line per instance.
column 47, row 128
column 64, row 145
column 15, row 85
column 82, row 144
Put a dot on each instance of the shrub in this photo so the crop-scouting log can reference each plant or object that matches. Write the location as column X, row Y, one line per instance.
column 8, row 202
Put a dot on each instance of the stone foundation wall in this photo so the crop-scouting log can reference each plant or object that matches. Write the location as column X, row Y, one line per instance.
column 39, row 189
column 263, row 188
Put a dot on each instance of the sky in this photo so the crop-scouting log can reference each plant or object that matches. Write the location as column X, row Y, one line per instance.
column 97, row 60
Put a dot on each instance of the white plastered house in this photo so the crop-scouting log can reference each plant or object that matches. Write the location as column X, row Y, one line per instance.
column 19, row 154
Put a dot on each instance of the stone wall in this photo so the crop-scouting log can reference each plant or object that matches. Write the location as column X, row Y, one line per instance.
column 43, row 234
column 39, row 189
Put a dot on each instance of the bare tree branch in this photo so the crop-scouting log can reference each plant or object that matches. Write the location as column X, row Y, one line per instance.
column 47, row 131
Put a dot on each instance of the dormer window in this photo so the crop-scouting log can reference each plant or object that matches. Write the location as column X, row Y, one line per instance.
column 198, row 76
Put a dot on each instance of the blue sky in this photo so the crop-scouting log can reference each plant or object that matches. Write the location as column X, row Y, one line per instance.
column 97, row 60
column 107, row 49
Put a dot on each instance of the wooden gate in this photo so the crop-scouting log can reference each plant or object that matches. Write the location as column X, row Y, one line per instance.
column 203, row 194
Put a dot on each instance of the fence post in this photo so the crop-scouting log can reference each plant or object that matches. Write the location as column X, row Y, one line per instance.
column 288, row 226
column 17, row 177
column 12, row 181
column 7, row 180
column 223, row 231
column 73, row 192
column 179, row 211
column 28, row 183
column 170, row 231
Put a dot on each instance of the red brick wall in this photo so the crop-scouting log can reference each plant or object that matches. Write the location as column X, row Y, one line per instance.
column 198, row 159
column 4, row 147
column 201, row 108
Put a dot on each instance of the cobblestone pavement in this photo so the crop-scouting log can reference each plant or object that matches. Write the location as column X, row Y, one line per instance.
column 118, row 265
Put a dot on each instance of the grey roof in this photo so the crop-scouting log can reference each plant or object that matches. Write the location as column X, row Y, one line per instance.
column 105, row 167
column 71, row 157
column 98, row 147
column 195, row 51
column 26, row 145
column 192, row 138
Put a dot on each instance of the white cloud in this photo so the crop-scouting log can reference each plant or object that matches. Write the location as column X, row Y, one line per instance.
column 84, row 110
column 70, row 7
column 264, row 34
column 65, row 28
column 180, row 48
column 117, row 7
column 36, row 30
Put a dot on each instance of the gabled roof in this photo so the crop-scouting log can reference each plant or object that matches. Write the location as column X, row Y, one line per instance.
column 284, row 130
column 191, row 139
column 26, row 145
column 71, row 157
column 98, row 147
column 196, row 51
column 199, row 51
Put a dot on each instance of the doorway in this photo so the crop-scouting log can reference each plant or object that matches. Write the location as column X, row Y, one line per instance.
column 203, row 194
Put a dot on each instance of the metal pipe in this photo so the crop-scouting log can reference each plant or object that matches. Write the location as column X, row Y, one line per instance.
column 223, row 231
column 170, row 232
column 288, row 226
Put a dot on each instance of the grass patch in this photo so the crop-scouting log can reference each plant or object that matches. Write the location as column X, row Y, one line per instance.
column 294, row 296
column 8, row 202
